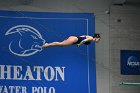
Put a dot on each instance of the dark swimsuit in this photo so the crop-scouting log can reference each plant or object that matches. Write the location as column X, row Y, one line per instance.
column 81, row 39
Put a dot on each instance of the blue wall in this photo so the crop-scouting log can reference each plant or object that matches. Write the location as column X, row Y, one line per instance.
column 20, row 59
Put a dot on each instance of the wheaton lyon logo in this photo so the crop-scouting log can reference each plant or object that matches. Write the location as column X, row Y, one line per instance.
column 27, row 40
column 133, row 62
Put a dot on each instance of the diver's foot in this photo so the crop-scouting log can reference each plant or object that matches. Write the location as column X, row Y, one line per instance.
column 45, row 45
column 38, row 47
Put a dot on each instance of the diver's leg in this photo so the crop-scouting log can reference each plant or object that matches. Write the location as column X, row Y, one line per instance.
column 58, row 44
column 67, row 42
column 46, row 45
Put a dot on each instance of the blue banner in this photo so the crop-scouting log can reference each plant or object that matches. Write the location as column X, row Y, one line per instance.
column 27, row 68
column 130, row 62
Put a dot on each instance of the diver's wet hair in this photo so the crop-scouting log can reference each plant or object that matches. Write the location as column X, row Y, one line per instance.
column 96, row 36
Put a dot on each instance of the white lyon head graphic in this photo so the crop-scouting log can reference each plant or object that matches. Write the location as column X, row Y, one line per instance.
column 27, row 40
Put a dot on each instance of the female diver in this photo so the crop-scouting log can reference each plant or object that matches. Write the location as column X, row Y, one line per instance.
column 72, row 40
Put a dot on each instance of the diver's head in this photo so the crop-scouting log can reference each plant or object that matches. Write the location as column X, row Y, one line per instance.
column 97, row 37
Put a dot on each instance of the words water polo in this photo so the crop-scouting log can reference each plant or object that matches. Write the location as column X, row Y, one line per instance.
column 49, row 73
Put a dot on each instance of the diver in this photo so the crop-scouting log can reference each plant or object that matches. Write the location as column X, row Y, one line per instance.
column 72, row 40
